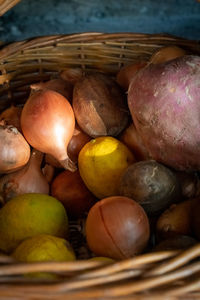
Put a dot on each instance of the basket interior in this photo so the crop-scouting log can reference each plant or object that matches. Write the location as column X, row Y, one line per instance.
column 146, row 276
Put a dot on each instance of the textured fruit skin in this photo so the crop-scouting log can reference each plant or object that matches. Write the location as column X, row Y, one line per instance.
column 44, row 247
column 99, row 105
column 28, row 215
column 164, row 101
column 117, row 227
column 152, row 185
column 101, row 163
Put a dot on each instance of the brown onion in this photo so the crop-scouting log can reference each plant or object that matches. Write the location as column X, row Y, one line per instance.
column 117, row 227
column 133, row 141
column 70, row 189
column 11, row 116
column 14, row 149
column 125, row 74
column 48, row 123
column 58, row 85
column 167, row 53
column 78, row 140
column 29, row 179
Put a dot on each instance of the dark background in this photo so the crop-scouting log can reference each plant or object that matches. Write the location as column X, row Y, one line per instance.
column 45, row 17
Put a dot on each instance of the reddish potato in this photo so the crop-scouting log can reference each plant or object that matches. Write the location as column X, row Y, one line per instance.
column 164, row 103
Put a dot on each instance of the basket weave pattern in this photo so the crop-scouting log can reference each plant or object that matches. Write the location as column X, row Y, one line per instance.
column 5, row 5
column 166, row 274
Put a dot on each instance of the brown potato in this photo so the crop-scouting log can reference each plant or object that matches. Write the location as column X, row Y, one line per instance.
column 178, row 242
column 151, row 184
column 176, row 220
column 100, row 106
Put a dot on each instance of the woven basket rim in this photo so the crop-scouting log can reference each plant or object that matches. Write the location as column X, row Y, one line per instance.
column 6, row 5
column 90, row 37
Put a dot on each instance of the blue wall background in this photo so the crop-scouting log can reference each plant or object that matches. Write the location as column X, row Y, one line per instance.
column 43, row 17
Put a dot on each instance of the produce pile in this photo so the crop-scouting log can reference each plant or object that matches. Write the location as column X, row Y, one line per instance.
column 120, row 156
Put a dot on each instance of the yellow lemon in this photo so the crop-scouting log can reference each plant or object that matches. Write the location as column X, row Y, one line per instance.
column 44, row 247
column 28, row 215
column 101, row 163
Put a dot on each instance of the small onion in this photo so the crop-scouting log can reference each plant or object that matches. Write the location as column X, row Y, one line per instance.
column 167, row 53
column 48, row 123
column 125, row 74
column 58, row 85
column 78, row 140
column 11, row 116
column 72, row 75
column 29, row 179
column 14, row 150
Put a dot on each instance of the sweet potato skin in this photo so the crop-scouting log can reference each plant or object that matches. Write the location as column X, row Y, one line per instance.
column 164, row 101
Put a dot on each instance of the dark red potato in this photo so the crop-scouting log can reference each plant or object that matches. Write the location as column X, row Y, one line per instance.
column 164, row 103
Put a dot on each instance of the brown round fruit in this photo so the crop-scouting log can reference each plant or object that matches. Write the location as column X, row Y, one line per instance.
column 151, row 184
column 117, row 227
column 100, row 106
column 69, row 188
column 177, row 219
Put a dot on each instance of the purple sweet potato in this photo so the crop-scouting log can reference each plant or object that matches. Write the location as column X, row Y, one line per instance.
column 164, row 101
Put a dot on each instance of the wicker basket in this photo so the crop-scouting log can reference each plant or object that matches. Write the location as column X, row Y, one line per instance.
column 5, row 5
column 172, row 274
